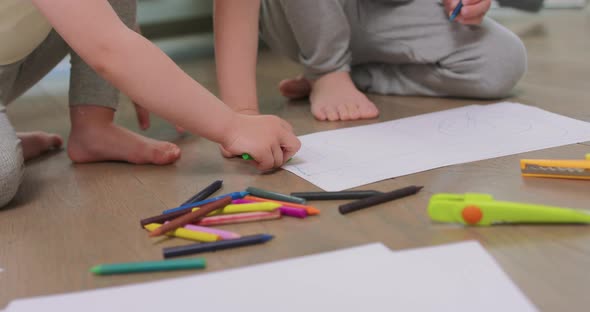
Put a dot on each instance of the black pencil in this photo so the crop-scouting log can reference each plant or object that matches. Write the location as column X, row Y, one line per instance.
column 206, row 192
column 335, row 195
column 378, row 199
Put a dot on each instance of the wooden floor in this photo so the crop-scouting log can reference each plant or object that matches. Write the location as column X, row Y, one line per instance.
column 67, row 217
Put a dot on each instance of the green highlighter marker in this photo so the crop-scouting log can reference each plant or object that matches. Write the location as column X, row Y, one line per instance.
column 247, row 156
column 482, row 209
column 149, row 266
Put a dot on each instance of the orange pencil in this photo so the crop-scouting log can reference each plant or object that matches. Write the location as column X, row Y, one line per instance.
column 309, row 209
column 191, row 216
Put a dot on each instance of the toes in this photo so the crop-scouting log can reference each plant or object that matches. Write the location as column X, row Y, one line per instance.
column 343, row 112
column 332, row 113
column 355, row 113
column 319, row 113
column 367, row 109
column 295, row 88
column 55, row 141
column 166, row 154
column 370, row 112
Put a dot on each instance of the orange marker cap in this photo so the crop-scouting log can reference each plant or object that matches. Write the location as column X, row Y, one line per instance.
column 472, row 214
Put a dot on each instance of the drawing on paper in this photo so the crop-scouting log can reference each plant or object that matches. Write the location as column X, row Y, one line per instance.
column 345, row 158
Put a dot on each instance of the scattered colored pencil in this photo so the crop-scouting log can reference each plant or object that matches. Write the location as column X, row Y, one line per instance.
column 221, row 233
column 193, row 216
column 274, row 195
column 241, row 208
column 205, row 247
column 239, row 218
column 149, row 266
column 206, row 192
column 198, row 236
column 310, row 210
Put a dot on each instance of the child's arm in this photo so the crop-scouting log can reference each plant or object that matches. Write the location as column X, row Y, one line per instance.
column 143, row 72
column 236, row 48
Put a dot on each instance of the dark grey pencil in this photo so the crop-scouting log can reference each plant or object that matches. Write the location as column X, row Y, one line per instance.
column 178, row 251
column 335, row 195
column 203, row 194
column 274, row 196
column 378, row 199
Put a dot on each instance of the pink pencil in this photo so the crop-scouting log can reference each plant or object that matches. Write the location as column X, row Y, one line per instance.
column 223, row 234
column 240, row 218
column 285, row 210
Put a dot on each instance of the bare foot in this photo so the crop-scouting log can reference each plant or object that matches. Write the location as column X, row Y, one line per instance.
column 296, row 88
column 37, row 143
column 95, row 138
column 335, row 97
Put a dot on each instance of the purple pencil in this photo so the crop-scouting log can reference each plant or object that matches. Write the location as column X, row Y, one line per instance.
column 293, row 212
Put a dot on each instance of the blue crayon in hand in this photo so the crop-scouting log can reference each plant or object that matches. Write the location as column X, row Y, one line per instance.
column 456, row 11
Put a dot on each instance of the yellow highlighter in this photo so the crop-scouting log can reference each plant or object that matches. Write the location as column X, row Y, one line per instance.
column 556, row 168
column 186, row 234
column 241, row 208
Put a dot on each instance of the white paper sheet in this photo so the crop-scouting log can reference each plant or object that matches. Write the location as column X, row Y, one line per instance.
column 458, row 277
column 455, row 277
column 345, row 158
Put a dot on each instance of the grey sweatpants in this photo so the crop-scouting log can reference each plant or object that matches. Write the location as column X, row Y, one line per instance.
column 86, row 88
column 395, row 46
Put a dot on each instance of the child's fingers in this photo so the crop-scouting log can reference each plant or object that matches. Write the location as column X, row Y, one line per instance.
column 225, row 153
column 286, row 125
column 471, row 21
column 290, row 145
column 264, row 161
column 475, row 11
column 472, row 2
column 277, row 154
column 290, row 150
column 143, row 116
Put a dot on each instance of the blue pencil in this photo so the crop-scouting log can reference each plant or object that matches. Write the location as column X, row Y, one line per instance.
column 234, row 195
column 456, row 11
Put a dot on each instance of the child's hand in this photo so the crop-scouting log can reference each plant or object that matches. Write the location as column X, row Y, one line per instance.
column 143, row 118
column 472, row 13
column 268, row 139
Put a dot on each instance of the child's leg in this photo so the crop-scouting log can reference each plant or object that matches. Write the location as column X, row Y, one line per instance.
column 413, row 49
column 316, row 34
column 15, row 148
column 93, row 101
column 11, row 160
